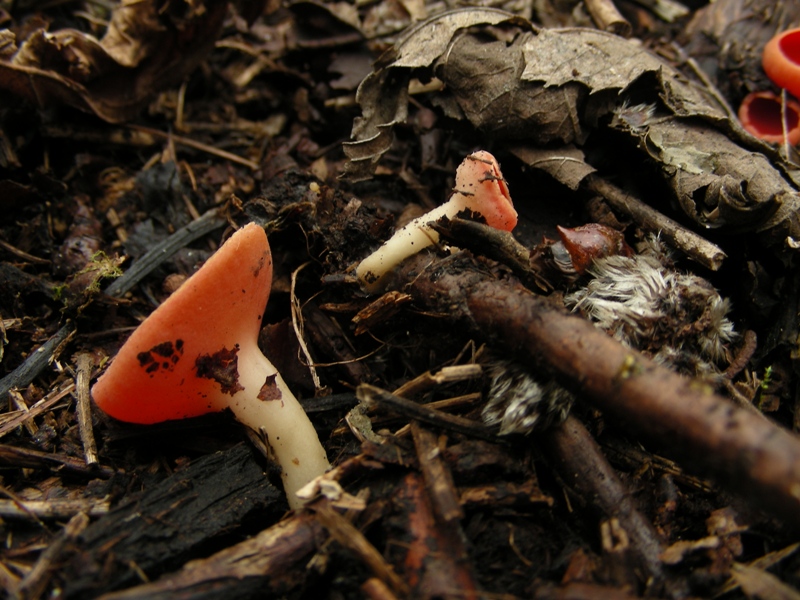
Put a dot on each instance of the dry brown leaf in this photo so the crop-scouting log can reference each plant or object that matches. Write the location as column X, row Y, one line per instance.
column 552, row 88
column 566, row 164
column 148, row 46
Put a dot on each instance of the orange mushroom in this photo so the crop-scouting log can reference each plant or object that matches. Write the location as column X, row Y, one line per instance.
column 761, row 115
column 480, row 188
column 781, row 61
column 197, row 353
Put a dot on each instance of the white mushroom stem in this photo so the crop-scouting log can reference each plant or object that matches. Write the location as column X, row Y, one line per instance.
column 480, row 188
column 267, row 404
column 413, row 237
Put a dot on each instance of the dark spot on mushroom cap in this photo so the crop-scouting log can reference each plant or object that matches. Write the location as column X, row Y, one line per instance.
column 270, row 390
column 151, row 360
column 144, row 358
column 222, row 367
column 262, row 261
column 164, row 349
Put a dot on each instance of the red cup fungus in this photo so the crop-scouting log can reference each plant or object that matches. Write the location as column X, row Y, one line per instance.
column 781, row 61
column 480, row 189
column 761, row 115
column 197, row 353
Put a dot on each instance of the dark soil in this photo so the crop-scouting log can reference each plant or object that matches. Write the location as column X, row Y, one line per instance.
column 124, row 168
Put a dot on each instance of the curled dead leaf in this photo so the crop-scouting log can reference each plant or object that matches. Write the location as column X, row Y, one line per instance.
column 148, row 46
column 552, row 88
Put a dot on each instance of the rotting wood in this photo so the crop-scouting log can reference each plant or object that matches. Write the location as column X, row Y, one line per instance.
column 267, row 564
column 380, row 310
column 159, row 530
column 435, row 563
column 748, row 454
column 327, row 336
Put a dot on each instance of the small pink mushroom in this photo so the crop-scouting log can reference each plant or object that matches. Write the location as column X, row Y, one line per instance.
column 480, row 189
column 197, row 353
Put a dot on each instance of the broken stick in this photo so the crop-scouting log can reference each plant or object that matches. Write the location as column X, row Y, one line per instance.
column 748, row 454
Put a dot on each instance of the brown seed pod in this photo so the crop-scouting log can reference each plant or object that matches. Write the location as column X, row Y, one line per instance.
column 587, row 243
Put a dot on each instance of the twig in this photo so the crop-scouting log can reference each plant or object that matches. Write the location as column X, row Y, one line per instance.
column 750, row 455
column 13, row 456
column 162, row 251
column 374, row 589
column 190, row 143
column 84, row 366
column 52, row 509
column 371, row 394
column 41, row 406
column 438, row 479
column 344, row 532
column 23, row 255
column 429, row 380
column 584, row 469
column 577, row 590
column 694, row 246
column 436, row 558
column 8, row 579
column 606, row 16
column 36, row 362
column 19, row 403
column 35, row 582
column 298, row 326
column 669, row 10
column 743, row 356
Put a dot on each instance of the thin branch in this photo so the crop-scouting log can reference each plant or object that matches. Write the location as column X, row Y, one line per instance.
column 84, row 366
column 748, row 454
column 693, row 245
column 584, row 468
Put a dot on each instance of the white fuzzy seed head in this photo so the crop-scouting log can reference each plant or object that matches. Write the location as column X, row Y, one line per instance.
column 657, row 309
column 520, row 402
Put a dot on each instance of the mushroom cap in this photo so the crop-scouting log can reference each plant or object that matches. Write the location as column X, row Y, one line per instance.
column 781, row 60
column 181, row 361
column 760, row 115
column 479, row 179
